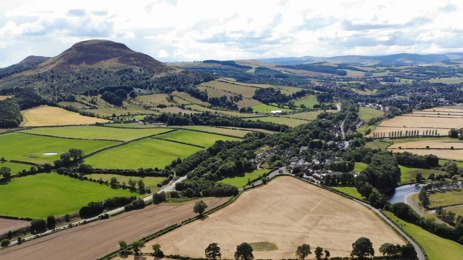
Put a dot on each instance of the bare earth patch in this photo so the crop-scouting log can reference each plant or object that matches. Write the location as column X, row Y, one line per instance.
column 285, row 213
column 49, row 116
column 99, row 238
column 11, row 224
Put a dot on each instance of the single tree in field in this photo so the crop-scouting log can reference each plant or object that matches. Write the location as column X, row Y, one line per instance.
column 51, row 222
column 159, row 197
column 408, row 252
column 141, row 186
column 303, row 251
column 388, row 249
column 124, row 249
column 137, row 245
column 327, row 254
column 244, row 252
column 200, row 207
column 318, row 253
column 5, row 172
column 362, row 248
column 76, row 154
column 213, row 251
column 157, row 252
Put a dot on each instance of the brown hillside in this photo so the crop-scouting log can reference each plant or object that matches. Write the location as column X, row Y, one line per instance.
column 102, row 54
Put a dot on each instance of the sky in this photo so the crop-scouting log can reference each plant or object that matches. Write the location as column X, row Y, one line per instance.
column 192, row 30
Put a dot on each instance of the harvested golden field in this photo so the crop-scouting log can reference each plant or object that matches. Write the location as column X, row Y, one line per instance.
column 286, row 213
column 429, row 122
column 440, row 148
column 48, row 116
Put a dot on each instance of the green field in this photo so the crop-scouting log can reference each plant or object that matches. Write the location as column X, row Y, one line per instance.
column 147, row 153
column 360, row 166
column 445, row 198
column 196, row 138
column 435, row 247
column 408, row 175
column 97, row 132
column 366, row 113
column 308, row 101
column 291, row 122
column 240, row 181
column 456, row 209
column 30, row 148
column 41, row 195
column 309, row 116
column 150, row 182
column 378, row 145
column 15, row 167
column 351, row 191
column 263, row 108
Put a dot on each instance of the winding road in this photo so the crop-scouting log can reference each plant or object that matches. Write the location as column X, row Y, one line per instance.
column 419, row 252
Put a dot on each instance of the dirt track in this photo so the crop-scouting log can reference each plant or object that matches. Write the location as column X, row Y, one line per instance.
column 11, row 224
column 286, row 212
column 102, row 237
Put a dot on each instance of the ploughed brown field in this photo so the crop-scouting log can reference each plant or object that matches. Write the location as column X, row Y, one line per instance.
column 99, row 238
column 11, row 224
column 283, row 214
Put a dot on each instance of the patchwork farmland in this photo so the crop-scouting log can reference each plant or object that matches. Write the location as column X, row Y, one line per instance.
column 444, row 148
column 428, row 122
column 314, row 216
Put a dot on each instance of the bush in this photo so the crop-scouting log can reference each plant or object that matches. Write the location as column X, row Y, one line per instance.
column 5, row 242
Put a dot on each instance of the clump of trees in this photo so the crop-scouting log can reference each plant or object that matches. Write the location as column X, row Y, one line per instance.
column 93, row 209
column 417, row 161
column 212, row 119
column 10, row 113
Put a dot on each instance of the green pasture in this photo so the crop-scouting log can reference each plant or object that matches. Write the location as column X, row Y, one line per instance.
column 291, row 122
column 456, row 209
column 309, row 116
column 41, row 195
column 240, row 181
column 131, row 126
column 435, row 247
column 364, row 128
column 150, row 182
column 378, row 145
column 263, row 108
column 16, row 167
column 308, row 101
column 445, row 198
column 196, row 138
column 408, row 175
column 366, row 113
column 218, row 130
column 146, row 153
column 30, row 148
column 360, row 166
column 351, row 191
column 97, row 132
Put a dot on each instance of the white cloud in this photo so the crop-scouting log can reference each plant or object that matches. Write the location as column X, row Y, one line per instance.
column 232, row 29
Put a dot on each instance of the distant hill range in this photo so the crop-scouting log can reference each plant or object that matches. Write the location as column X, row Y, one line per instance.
column 395, row 59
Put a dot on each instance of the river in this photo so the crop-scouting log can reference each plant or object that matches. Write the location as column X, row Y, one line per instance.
column 399, row 194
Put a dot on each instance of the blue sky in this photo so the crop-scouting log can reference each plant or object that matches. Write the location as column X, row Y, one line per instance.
column 187, row 30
